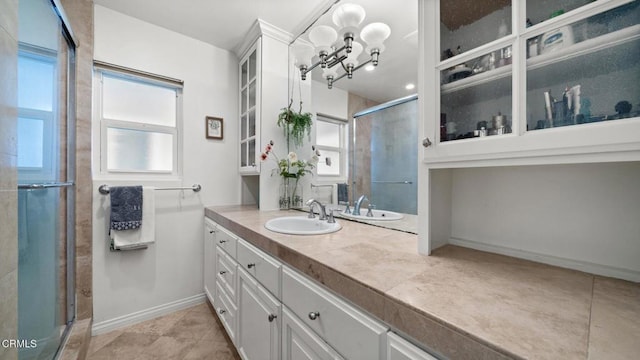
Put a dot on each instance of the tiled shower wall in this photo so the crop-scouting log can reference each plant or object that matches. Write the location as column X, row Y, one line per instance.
column 80, row 14
column 8, row 178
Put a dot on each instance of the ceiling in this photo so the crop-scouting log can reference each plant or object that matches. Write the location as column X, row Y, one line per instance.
column 225, row 23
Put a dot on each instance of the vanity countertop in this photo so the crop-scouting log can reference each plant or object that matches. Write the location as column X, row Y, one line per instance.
column 458, row 302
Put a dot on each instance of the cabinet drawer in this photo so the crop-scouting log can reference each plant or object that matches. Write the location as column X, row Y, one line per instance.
column 301, row 343
column 262, row 266
column 226, row 240
column 348, row 330
column 400, row 349
column 226, row 273
column 226, row 311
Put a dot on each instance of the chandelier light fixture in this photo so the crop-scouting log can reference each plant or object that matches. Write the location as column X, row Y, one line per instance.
column 340, row 47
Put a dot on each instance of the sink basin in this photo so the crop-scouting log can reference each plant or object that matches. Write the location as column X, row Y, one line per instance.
column 301, row 225
column 378, row 215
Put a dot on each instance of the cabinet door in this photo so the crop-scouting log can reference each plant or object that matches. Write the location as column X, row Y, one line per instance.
column 250, row 110
column 258, row 320
column 301, row 343
column 400, row 349
column 209, row 260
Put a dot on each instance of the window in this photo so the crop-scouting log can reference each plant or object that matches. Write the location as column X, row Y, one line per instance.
column 37, row 125
column 139, row 118
column 331, row 141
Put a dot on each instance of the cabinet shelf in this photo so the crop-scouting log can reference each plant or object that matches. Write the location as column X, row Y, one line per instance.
column 576, row 52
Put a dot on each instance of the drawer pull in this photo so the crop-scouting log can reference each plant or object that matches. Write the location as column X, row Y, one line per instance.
column 222, row 311
column 222, row 272
column 272, row 317
column 222, row 241
column 211, row 231
column 314, row 315
column 249, row 266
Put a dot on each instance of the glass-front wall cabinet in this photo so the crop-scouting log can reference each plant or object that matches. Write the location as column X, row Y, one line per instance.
column 249, row 111
column 507, row 68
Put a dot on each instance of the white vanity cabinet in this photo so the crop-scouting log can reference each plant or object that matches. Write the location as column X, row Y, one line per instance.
column 259, row 318
column 349, row 331
column 209, row 259
column 271, row 311
column 400, row 349
column 513, row 86
column 220, row 274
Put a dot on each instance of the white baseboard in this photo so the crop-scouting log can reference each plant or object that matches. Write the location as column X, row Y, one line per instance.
column 147, row 314
column 585, row 266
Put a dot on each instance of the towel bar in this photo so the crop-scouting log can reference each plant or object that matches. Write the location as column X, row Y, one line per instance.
column 104, row 188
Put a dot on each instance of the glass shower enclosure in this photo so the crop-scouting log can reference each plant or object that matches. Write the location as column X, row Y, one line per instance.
column 46, row 164
column 384, row 159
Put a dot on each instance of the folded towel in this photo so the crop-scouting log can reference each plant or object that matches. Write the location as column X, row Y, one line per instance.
column 143, row 236
column 343, row 192
column 126, row 207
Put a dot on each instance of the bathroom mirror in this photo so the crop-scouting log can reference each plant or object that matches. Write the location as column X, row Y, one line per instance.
column 382, row 158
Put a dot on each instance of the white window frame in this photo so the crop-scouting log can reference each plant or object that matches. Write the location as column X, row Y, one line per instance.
column 343, row 149
column 102, row 69
column 50, row 167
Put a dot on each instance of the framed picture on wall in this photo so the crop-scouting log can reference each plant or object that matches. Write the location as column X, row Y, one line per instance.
column 214, row 126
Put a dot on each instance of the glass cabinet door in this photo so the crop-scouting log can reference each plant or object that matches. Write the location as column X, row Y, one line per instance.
column 476, row 90
column 585, row 71
column 248, row 111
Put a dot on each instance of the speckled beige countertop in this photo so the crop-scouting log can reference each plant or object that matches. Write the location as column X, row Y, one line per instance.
column 460, row 303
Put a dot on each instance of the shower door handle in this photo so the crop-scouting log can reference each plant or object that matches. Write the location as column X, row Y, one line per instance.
column 45, row 185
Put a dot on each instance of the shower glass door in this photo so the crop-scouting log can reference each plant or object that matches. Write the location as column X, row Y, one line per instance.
column 45, row 132
column 385, row 157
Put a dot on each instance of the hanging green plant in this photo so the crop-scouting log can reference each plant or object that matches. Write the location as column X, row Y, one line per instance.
column 295, row 124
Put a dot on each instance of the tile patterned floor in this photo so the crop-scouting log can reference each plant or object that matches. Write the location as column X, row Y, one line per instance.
column 189, row 334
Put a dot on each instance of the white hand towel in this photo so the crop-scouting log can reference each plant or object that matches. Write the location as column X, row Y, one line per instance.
column 146, row 234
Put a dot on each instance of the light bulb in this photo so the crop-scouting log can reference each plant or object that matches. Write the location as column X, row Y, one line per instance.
column 374, row 35
column 348, row 17
column 303, row 54
column 323, row 37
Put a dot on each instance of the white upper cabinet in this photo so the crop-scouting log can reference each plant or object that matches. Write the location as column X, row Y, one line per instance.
column 520, row 82
column 249, row 110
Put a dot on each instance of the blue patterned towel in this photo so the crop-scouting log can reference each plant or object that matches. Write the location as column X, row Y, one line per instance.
column 126, row 207
column 343, row 192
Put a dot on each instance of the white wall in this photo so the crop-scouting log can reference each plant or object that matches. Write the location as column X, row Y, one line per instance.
column 586, row 213
column 171, row 269
column 332, row 102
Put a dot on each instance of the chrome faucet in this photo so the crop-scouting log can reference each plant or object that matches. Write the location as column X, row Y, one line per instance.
column 323, row 212
column 356, row 206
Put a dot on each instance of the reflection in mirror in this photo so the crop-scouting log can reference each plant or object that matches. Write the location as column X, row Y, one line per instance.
column 385, row 160
column 386, row 145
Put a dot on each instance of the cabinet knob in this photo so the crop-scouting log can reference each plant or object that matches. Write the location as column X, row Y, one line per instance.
column 314, row 315
column 222, row 241
column 426, row 142
column 272, row 317
column 211, row 231
column 222, row 272
column 249, row 266
column 222, row 311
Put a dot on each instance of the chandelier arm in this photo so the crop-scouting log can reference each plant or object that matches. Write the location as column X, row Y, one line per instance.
column 361, row 65
column 336, row 61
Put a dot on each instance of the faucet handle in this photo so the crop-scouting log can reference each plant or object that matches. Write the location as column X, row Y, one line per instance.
column 346, row 210
column 370, row 208
column 330, row 217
